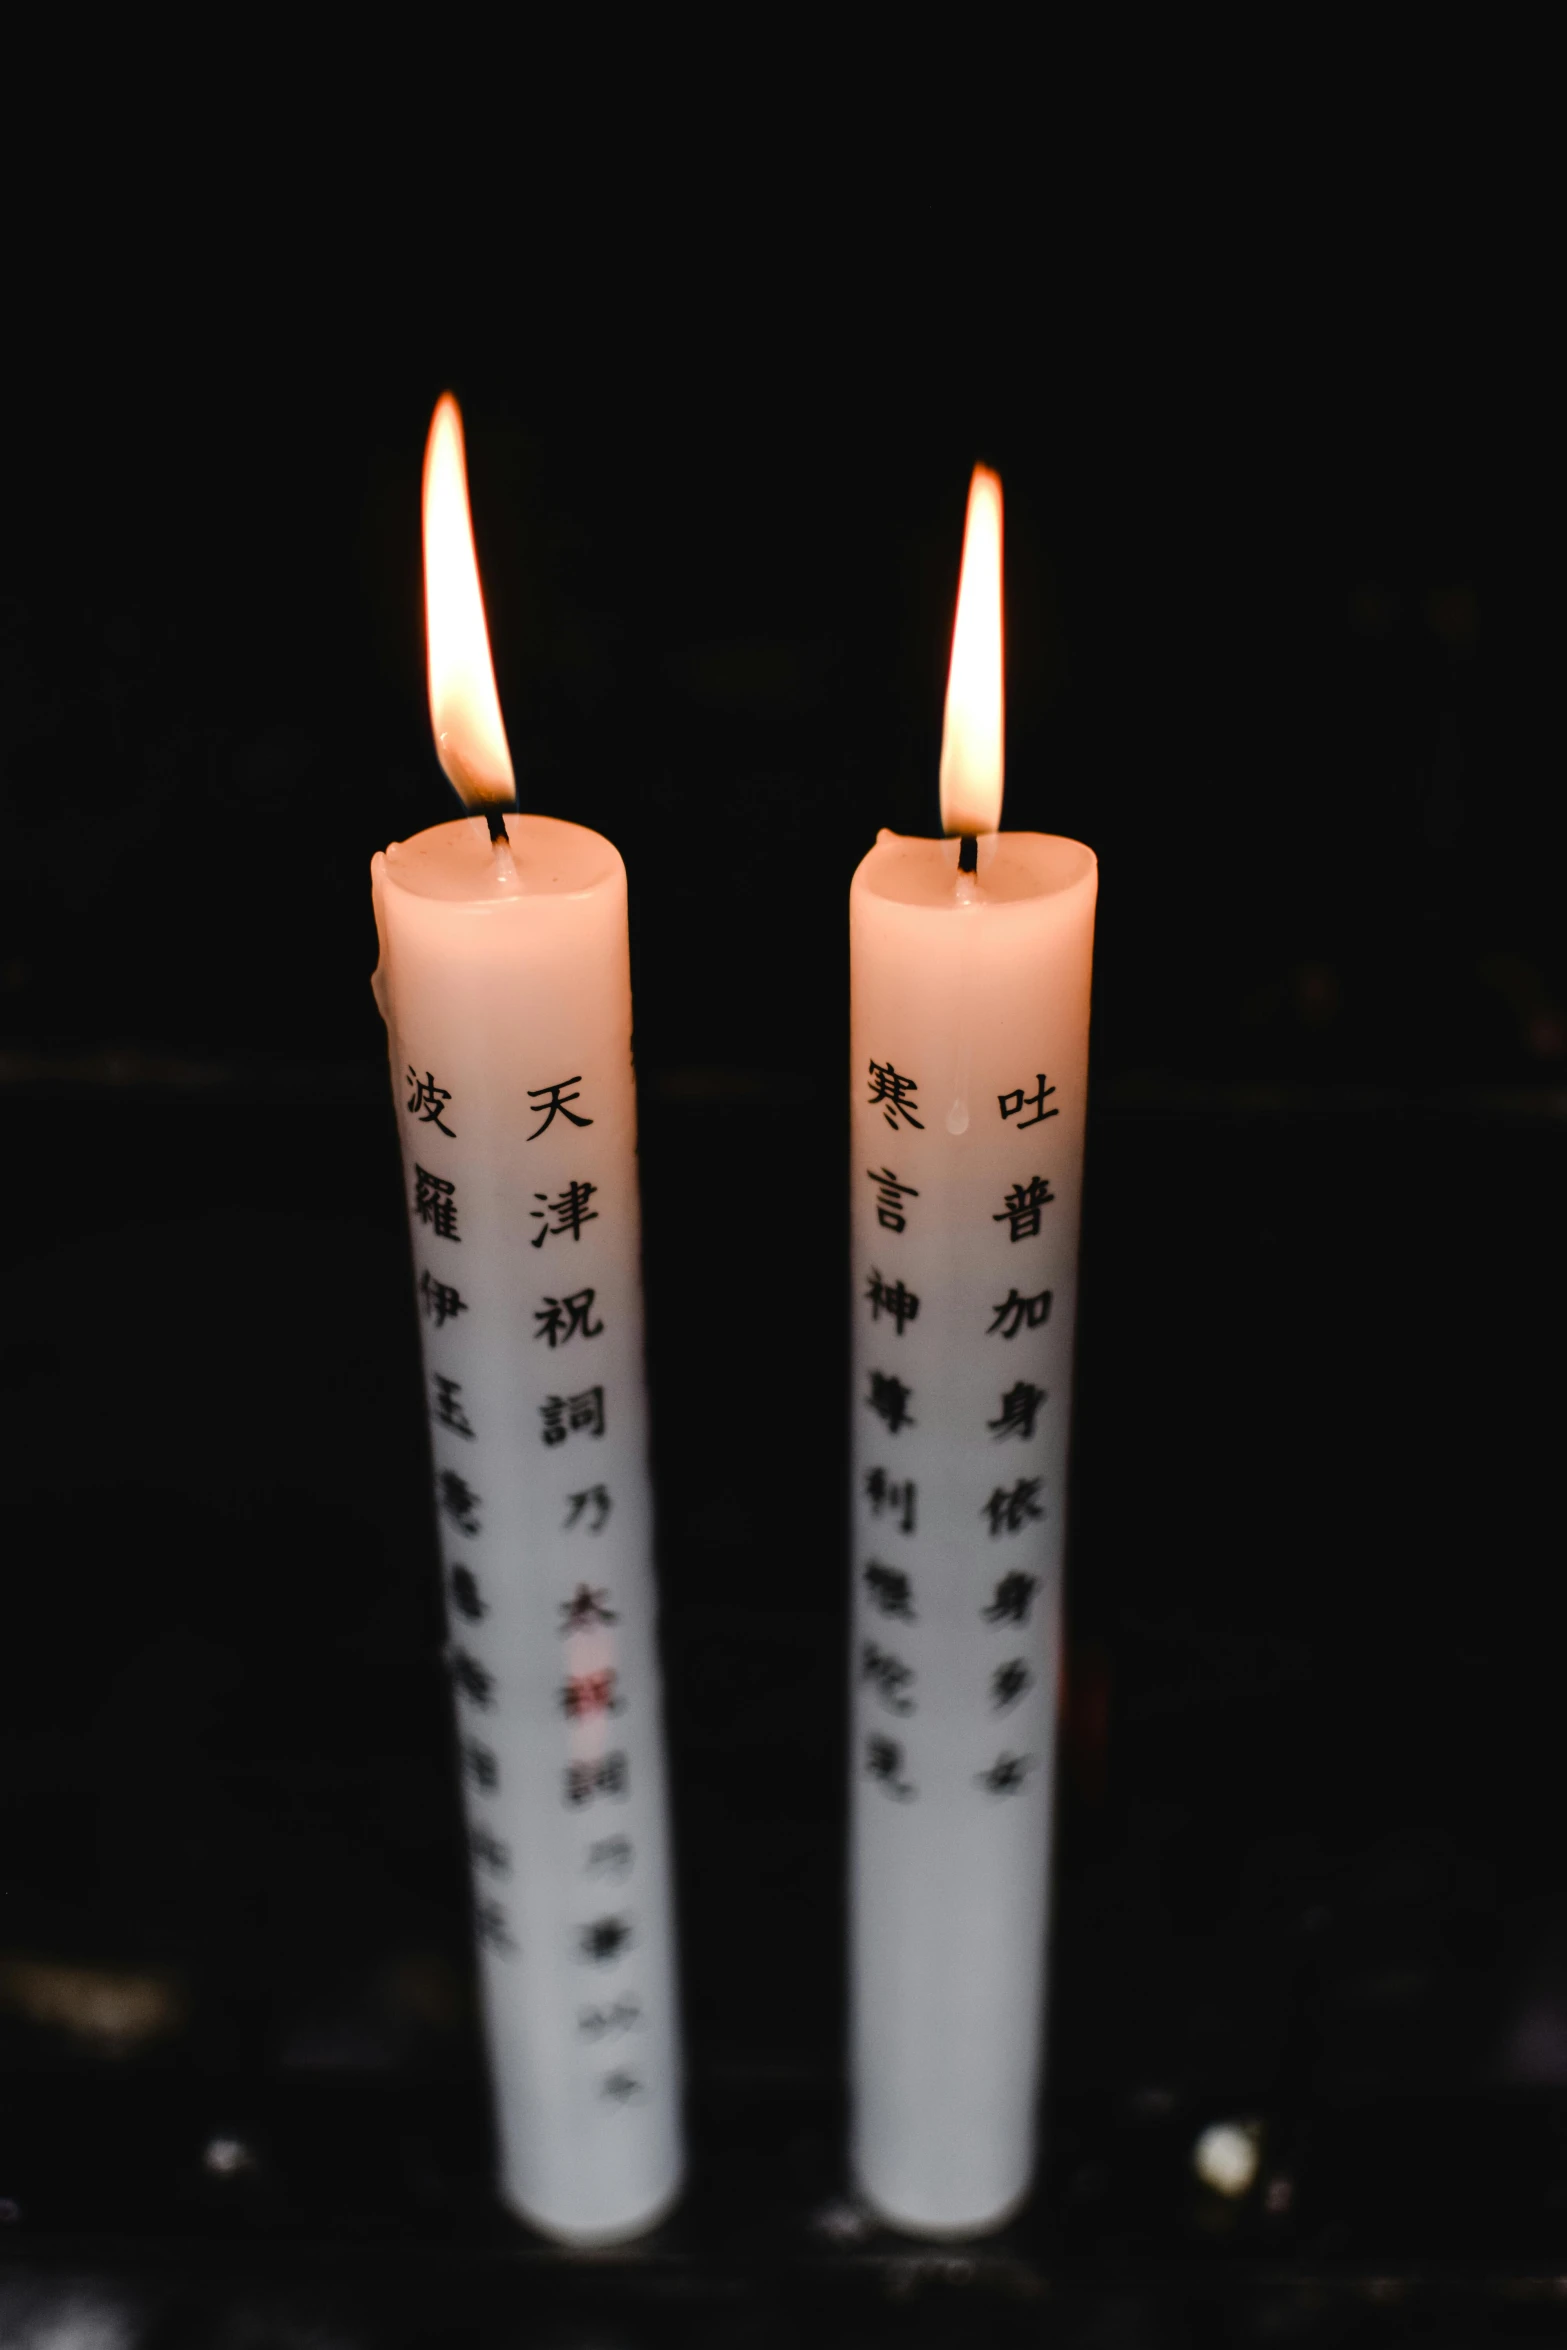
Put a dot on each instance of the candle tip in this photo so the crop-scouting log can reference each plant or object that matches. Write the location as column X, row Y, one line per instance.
column 495, row 818
column 968, row 852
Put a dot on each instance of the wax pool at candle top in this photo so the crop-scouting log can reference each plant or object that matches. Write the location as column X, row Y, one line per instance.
column 457, row 862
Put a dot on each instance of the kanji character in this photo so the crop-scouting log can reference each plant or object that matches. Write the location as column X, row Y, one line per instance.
column 563, row 1318
column 466, row 1596
column 565, row 1415
column 440, row 1302
column 1006, row 1774
column 1019, row 1409
column 890, row 1196
column 1017, row 1313
column 472, row 1678
column 459, row 1500
column 1023, row 1203
column 555, row 1105
column 888, row 1675
column 428, row 1100
column 891, row 1591
column 1008, row 1682
column 889, row 1399
column 896, row 1093
column 1014, row 1596
column 1013, row 1104
column 597, row 1498
column 590, row 1693
column 570, row 1211
column 894, row 1494
column 891, row 1298
column 435, row 1204
column 585, row 1608
column 448, row 1404
column 492, row 1925
column 884, row 1764
column 603, row 1939
column 1010, row 1509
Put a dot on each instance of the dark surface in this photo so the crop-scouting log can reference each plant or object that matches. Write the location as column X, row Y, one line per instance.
column 1275, row 652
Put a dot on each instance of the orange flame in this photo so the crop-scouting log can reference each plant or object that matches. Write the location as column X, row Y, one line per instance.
column 465, row 710
column 972, row 738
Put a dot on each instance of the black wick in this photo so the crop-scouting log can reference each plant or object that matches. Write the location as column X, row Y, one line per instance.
column 495, row 818
column 968, row 852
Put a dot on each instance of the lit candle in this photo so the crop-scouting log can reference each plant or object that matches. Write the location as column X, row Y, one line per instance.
column 970, row 972
column 505, row 982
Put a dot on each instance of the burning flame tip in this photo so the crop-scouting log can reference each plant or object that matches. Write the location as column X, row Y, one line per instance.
column 465, row 710
column 973, row 733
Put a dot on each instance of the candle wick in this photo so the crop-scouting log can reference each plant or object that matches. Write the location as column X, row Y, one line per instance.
column 968, row 852
column 505, row 864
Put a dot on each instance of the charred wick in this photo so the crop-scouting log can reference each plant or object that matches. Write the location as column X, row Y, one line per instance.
column 968, row 852
column 495, row 818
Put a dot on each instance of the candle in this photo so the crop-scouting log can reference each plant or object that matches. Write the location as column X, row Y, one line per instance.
column 504, row 980
column 970, row 969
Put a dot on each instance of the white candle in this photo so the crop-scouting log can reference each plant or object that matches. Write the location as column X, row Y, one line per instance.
column 505, row 982
column 969, row 1043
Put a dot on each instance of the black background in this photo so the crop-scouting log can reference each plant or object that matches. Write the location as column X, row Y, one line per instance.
column 1282, row 606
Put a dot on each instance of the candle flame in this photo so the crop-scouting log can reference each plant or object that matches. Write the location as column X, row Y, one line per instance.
column 465, row 710
column 972, row 737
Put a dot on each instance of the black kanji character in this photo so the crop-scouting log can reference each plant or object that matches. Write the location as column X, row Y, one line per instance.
column 889, row 1676
column 590, row 1693
column 891, row 1298
column 1020, row 1313
column 890, row 1399
column 435, row 1204
column 1006, row 1774
column 489, row 1852
column 585, row 1608
column 492, row 1925
column 603, row 1939
column 1014, row 1596
column 1012, row 1105
column 472, row 1678
column 610, row 1775
column 482, row 1765
column 439, row 1300
column 561, row 1318
column 890, row 1196
column 596, row 2023
column 611, row 1856
column 596, row 1497
column 459, row 1501
column 622, row 2088
column 895, row 1494
column 1023, row 1204
column 1008, row 1682
column 466, row 1596
column 571, row 1212
column 895, row 1092
column 428, row 1100
column 1019, row 1409
column 884, row 1764
column 448, row 1404
column 565, row 1415
column 555, row 1105
column 891, row 1591
column 1010, row 1510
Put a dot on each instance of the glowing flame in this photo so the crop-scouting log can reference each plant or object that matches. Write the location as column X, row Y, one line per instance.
column 972, row 756
column 465, row 710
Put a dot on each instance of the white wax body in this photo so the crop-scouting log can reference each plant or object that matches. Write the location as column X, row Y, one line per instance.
column 508, row 1006
column 969, row 1013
